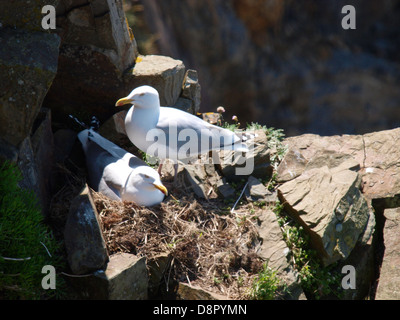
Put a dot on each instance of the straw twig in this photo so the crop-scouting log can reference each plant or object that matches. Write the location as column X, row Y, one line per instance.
column 201, row 239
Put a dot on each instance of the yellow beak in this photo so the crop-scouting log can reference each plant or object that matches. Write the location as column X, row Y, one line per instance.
column 123, row 101
column 162, row 188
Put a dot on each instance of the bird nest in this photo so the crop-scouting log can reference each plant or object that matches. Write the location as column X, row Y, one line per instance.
column 208, row 246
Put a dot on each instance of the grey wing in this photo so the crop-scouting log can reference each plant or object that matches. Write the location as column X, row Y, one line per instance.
column 191, row 131
column 110, row 189
column 134, row 162
column 97, row 159
column 107, row 145
column 101, row 176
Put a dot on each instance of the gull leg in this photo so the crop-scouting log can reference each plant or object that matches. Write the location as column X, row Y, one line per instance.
column 160, row 166
column 175, row 172
column 216, row 160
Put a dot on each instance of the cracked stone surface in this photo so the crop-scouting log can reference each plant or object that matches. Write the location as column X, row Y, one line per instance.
column 377, row 154
column 327, row 202
column 389, row 281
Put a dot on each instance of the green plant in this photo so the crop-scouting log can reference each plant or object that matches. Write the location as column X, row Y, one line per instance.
column 255, row 126
column 230, row 126
column 173, row 243
column 260, row 203
column 275, row 138
column 316, row 279
column 266, row 284
column 216, row 281
column 26, row 243
column 151, row 161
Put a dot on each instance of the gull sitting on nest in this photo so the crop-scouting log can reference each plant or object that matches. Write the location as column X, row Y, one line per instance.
column 119, row 174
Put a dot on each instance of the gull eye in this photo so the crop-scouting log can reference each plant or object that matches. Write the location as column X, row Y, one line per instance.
column 141, row 94
column 146, row 176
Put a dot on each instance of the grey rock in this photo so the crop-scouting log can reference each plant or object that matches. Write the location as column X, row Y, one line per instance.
column 198, row 176
column 225, row 190
column 190, row 292
column 362, row 258
column 184, row 104
column 375, row 153
column 28, row 61
column 195, row 175
column 35, row 159
column 97, row 49
column 389, row 280
column 161, row 72
column 333, row 159
column 157, row 267
column 259, row 155
column 86, row 249
column 212, row 117
column 256, row 162
column 256, row 191
column 101, row 25
column 312, row 144
column 381, row 166
column 367, row 236
column 12, row 15
column 292, row 165
column 43, row 149
column 26, row 163
column 274, row 251
column 191, row 90
column 124, row 278
column 88, row 77
column 321, row 198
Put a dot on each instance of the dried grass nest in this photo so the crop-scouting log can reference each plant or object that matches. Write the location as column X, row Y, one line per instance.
column 209, row 246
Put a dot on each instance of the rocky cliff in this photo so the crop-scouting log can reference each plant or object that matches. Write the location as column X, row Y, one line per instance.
column 341, row 190
column 357, row 177
column 288, row 64
column 79, row 68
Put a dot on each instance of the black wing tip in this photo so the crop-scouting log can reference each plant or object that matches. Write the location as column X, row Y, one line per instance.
column 94, row 123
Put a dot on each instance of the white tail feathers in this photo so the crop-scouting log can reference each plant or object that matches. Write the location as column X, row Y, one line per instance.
column 246, row 136
column 238, row 146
